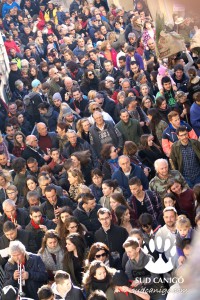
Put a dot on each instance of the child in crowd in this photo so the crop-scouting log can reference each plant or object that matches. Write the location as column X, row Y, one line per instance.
column 185, row 231
column 162, row 71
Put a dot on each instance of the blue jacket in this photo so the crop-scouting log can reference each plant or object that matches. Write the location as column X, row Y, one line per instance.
column 170, row 132
column 7, row 7
column 37, row 274
column 195, row 117
column 122, row 179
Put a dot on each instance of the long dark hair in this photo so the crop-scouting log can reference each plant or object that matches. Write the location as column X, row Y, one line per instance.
column 156, row 118
column 119, row 212
column 79, row 243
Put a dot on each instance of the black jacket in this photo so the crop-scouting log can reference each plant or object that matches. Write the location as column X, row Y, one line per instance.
column 81, row 145
column 90, row 220
column 22, row 219
column 74, row 294
column 37, row 275
column 48, row 210
column 13, row 76
column 38, row 234
column 37, row 154
column 113, row 238
column 24, row 237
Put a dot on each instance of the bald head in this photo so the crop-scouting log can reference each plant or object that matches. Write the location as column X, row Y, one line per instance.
column 42, row 129
column 68, row 83
column 32, row 141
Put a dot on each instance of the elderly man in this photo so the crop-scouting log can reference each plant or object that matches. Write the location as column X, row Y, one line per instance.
column 126, row 171
column 33, row 272
column 18, row 216
column 68, row 85
column 76, row 144
column 33, row 150
column 46, row 140
column 163, row 175
column 104, row 132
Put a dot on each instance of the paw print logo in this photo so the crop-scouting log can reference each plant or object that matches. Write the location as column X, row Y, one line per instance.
column 159, row 266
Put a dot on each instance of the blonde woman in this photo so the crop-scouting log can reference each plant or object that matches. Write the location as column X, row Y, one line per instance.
column 5, row 182
column 83, row 126
column 75, row 178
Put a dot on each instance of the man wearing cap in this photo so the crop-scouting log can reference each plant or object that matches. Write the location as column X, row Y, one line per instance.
column 57, row 100
column 9, row 293
column 33, row 273
column 92, row 29
column 14, row 75
column 32, row 100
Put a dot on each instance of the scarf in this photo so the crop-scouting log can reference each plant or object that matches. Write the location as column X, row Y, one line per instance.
column 101, row 285
column 37, row 226
column 49, row 261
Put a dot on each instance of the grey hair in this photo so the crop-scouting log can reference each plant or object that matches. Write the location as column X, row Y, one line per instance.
column 158, row 161
column 125, row 80
column 16, row 246
column 123, row 156
column 32, row 194
column 8, row 202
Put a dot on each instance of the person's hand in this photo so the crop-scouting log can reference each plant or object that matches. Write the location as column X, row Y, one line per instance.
column 141, row 124
column 184, row 111
column 18, row 226
column 25, row 275
column 161, row 91
column 135, row 283
column 46, row 157
column 8, row 163
column 57, row 211
column 43, row 228
column 146, row 171
column 77, row 110
column 174, row 88
column 16, row 275
column 181, row 260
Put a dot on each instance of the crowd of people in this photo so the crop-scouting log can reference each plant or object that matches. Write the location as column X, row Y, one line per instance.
column 99, row 152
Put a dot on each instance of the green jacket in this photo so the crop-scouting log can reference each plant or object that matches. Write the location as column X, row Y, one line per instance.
column 130, row 131
column 176, row 154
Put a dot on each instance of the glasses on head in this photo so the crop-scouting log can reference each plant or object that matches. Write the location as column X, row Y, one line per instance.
column 101, row 255
column 114, row 150
column 90, row 74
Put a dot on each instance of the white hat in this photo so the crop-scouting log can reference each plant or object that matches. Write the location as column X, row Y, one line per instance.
column 179, row 21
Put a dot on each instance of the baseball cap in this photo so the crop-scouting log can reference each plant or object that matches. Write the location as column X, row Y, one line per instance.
column 13, row 62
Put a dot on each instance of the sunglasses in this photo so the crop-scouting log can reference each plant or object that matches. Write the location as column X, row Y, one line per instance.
column 96, row 108
column 101, row 255
column 146, row 226
column 90, row 74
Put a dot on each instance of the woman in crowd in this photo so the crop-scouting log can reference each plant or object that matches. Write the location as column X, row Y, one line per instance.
column 83, row 126
column 93, row 106
column 65, row 213
column 163, row 109
column 109, row 156
column 148, row 32
column 74, row 257
column 149, row 152
column 100, row 252
column 19, row 144
column 156, row 125
column 196, row 190
column 5, row 181
column 31, row 184
column 108, row 52
column 75, row 178
column 52, row 253
column 82, row 161
column 184, row 197
column 89, row 82
column 123, row 217
column 108, row 187
column 146, row 104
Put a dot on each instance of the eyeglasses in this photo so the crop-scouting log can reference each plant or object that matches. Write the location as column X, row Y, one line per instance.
column 101, row 255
